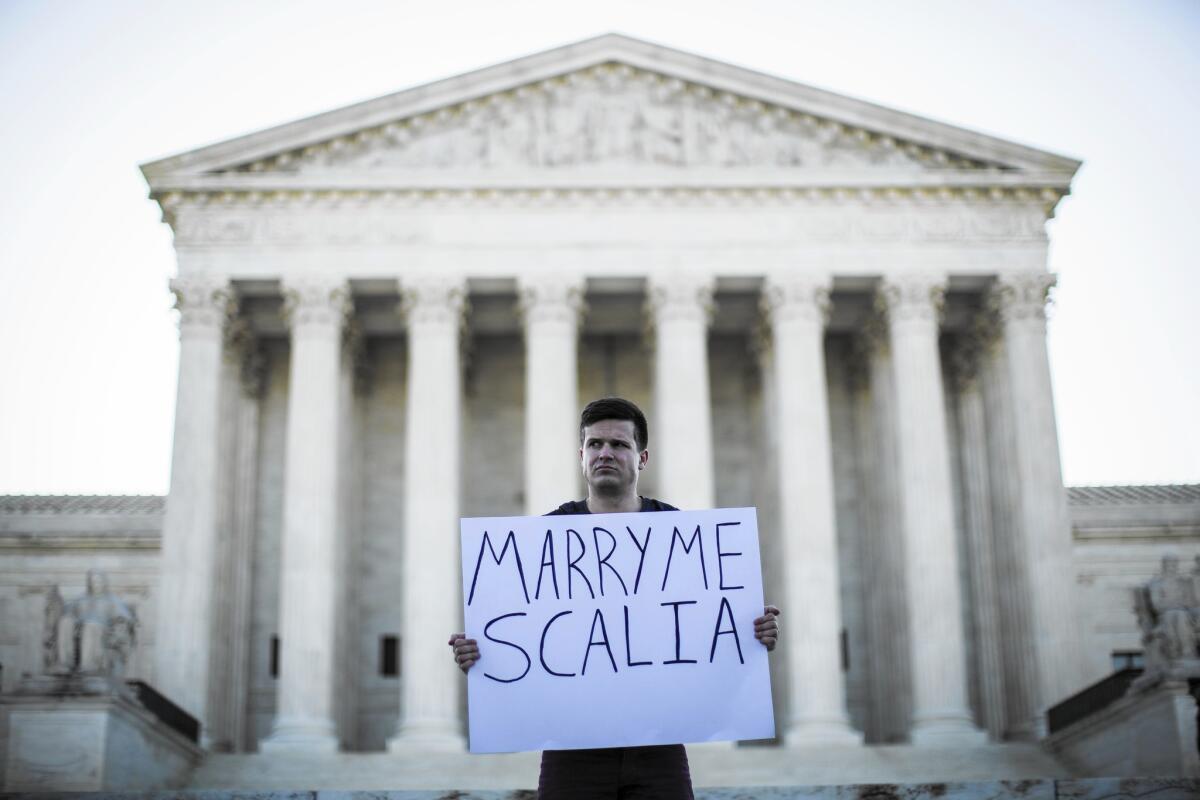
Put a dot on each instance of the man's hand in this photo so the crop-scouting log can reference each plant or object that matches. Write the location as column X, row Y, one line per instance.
column 766, row 629
column 466, row 652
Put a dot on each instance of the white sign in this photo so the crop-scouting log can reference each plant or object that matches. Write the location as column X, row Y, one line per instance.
column 611, row 630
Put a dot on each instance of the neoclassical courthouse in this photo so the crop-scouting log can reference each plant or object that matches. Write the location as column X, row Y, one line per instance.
column 390, row 315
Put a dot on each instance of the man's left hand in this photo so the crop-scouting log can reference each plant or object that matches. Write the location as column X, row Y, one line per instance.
column 766, row 627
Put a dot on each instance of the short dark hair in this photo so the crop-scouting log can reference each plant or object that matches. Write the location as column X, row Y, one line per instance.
column 616, row 408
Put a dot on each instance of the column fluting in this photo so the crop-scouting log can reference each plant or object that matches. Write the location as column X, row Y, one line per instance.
column 316, row 308
column 798, row 307
column 965, row 360
column 550, row 307
column 680, row 305
column 187, row 569
column 1042, row 517
column 430, row 597
column 941, row 713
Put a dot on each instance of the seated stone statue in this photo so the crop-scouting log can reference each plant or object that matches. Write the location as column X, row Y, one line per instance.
column 1170, row 595
column 1167, row 612
column 93, row 634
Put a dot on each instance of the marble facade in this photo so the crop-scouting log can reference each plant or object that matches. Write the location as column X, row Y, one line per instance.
column 391, row 313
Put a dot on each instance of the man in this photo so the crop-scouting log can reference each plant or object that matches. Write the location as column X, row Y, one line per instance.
column 613, row 437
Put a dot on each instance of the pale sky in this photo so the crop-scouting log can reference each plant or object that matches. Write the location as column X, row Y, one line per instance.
column 88, row 344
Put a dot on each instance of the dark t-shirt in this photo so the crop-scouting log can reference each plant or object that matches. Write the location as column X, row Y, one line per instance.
column 659, row 771
column 580, row 507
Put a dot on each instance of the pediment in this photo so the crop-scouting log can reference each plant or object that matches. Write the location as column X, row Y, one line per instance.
column 604, row 105
column 610, row 115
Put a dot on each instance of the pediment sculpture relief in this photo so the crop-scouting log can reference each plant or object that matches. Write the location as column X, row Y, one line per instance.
column 611, row 115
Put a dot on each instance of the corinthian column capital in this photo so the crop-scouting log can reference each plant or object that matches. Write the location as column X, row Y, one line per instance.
column 1022, row 295
column 797, row 297
column 680, row 297
column 316, row 300
column 553, row 298
column 912, row 297
column 967, row 348
column 434, row 299
column 205, row 303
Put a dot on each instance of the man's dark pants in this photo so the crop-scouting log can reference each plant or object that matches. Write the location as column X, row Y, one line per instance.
column 659, row 772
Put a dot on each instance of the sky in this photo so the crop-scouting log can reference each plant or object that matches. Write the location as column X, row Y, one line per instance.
column 88, row 342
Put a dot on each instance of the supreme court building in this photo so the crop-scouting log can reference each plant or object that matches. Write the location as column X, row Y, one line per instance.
column 391, row 314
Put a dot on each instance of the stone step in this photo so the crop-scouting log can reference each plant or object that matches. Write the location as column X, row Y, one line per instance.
column 1047, row 789
column 735, row 767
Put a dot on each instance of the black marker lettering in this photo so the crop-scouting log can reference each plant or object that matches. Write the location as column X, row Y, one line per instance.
column 601, row 563
column 717, row 632
column 542, row 647
column 687, row 548
column 487, row 542
column 641, row 546
column 675, row 606
column 629, row 662
column 720, row 555
column 490, row 638
column 593, row 643
column 547, row 545
column 572, row 562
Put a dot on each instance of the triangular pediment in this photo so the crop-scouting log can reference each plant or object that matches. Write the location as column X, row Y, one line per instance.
column 610, row 102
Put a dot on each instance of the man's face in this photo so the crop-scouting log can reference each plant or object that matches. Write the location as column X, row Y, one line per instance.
column 610, row 457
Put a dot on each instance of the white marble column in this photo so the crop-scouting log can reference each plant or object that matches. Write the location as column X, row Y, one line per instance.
column 969, row 348
column 242, row 383
column 550, row 308
column 680, row 304
column 1042, row 514
column 941, row 713
column 798, row 306
column 186, row 574
column 883, row 552
column 430, row 600
column 316, row 308
column 1013, row 595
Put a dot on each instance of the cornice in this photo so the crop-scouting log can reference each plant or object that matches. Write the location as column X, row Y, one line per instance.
column 13, row 543
column 269, row 194
column 749, row 178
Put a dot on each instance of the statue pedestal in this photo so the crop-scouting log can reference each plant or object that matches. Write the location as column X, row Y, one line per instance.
column 1147, row 732
column 86, row 734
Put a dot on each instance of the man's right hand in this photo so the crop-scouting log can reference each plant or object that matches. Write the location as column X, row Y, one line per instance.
column 466, row 651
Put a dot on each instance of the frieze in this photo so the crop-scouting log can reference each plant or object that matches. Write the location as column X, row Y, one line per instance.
column 608, row 115
column 386, row 218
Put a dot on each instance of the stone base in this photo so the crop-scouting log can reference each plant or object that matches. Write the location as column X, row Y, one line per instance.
column 89, row 734
column 1148, row 732
column 411, row 768
column 808, row 733
column 432, row 738
column 1093, row 789
column 301, row 736
column 947, row 734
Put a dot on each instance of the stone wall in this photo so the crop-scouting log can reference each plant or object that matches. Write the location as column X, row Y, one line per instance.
column 1121, row 534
